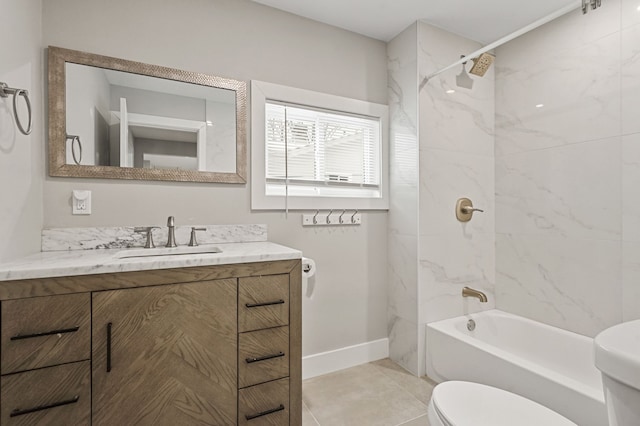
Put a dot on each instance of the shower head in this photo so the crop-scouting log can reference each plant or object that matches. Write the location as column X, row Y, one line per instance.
column 481, row 64
column 463, row 80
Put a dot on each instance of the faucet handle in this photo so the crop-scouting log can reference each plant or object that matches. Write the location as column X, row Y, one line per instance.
column 171, row 221
column 149, row 231
column 193, row 242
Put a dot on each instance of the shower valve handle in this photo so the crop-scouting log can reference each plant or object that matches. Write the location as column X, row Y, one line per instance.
column 469, row 209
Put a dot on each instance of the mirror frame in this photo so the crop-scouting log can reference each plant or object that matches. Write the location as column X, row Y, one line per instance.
column 58, row 57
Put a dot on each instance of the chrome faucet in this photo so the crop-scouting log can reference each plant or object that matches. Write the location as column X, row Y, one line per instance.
column 469, row 292
column 171, row 240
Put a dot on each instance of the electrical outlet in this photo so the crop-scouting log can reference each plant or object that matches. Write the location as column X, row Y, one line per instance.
column 81, row 202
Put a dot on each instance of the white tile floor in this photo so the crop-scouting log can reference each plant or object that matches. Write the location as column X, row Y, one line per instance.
column 379, row 393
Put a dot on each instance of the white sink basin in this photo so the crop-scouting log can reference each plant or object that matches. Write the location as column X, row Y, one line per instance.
column 164, row 251
column 618, row 353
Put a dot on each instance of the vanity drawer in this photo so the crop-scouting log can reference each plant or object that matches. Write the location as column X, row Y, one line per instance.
column 265, row 404
column 263, row 356
column 58, row 395
column 263, row 302
column 44, row 331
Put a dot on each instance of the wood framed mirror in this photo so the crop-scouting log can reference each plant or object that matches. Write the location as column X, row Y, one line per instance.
column 118, row 119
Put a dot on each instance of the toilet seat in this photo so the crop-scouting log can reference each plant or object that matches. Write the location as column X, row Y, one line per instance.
column 458, row 403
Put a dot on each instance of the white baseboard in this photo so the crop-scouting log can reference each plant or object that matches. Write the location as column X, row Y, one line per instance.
column 339, row 359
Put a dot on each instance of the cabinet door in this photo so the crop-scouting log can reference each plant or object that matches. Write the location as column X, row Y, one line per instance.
column 165, row 355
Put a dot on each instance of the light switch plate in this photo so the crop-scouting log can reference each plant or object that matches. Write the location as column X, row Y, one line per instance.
column 81, row 202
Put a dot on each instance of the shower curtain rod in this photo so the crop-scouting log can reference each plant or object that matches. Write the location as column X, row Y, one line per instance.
column 505, row 39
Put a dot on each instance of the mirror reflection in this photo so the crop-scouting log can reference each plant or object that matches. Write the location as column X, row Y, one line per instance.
column 121, row 119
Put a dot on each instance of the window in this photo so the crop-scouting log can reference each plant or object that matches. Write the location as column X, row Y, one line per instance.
column 316, row 151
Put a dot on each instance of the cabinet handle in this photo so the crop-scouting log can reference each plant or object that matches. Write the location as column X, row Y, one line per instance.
column 256, row 305
column 19, row 412
column 264, row 358
column 46, row 333
column 264, row 413
column 109, row 347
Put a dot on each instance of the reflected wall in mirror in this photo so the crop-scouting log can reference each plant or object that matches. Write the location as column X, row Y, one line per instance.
column 113, row 118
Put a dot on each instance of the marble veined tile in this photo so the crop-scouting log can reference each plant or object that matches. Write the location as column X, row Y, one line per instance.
column 447, row 264
column 60, row 239
column 571, row 191
column 564, row 33
column 403, row 343
column 447, row 176
column 579, row 91
column 402, row 291
column 631, row 187
column 630, row 281
column 451, row 117
column 571, row 283
column 630, row 70
column 630, row 13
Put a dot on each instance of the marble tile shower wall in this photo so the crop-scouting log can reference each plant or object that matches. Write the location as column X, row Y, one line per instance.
column 568, row 173
column 441, row 150
column 456, row 140
column 402, row 293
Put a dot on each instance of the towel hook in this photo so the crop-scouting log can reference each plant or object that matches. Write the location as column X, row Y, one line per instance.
column 315, row 217
column 5, row 91
column 340, row 219
column 75, row 139
column 353, row 216
column 329, row 217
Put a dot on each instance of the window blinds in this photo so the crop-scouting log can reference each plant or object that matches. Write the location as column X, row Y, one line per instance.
column 321, row 152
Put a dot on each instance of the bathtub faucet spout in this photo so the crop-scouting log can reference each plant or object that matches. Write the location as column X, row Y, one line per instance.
column 469, row 292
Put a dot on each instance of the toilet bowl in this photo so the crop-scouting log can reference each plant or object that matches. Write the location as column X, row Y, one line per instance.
column 617, row 356
column 472, row 404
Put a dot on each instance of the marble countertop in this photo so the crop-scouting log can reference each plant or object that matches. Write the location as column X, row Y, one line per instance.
column 87, row 262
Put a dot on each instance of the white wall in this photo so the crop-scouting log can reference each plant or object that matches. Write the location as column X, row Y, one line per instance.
column 21, row 156
column 567, row 174
column 242, row 40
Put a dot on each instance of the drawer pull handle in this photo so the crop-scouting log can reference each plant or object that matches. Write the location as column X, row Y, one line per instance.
column 19, row 412
column 109, row 347
column 264, row 358
column 264, row 413
column 46, row 333
column 257, row 305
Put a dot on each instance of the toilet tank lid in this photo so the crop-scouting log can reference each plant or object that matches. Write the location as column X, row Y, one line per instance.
column 466, row 403
column 617, row 352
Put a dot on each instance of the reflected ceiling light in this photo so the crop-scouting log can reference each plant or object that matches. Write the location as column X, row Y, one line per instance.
column 450, row 91
column 209, row 123
column 539, row 105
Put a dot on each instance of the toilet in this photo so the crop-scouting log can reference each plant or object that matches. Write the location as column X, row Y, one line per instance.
column 458, row 403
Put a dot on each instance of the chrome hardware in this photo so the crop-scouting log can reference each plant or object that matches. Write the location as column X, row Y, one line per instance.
column 171, row 237
column 147, row 230
column 193, row 242
column 465, row 209
column 353, row 216
column 5, row 91
column 329, row 217
column 76, row 159
column 469, row 292
column 315, row 217
column 340, row 219
column 471, row 325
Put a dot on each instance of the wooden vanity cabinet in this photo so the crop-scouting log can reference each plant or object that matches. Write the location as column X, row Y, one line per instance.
column 217, row 345
column 165, row 355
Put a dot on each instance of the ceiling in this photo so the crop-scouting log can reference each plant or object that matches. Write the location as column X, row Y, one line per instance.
column 483, row 21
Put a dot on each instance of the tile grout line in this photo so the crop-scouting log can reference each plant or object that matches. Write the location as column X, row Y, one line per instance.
column 310, row 412
column 381, row 369
column 410, row 420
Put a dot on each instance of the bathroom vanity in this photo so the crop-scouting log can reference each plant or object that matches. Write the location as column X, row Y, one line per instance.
column 88, row 337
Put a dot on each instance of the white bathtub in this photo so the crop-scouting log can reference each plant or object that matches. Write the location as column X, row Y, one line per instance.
column 546, row 364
